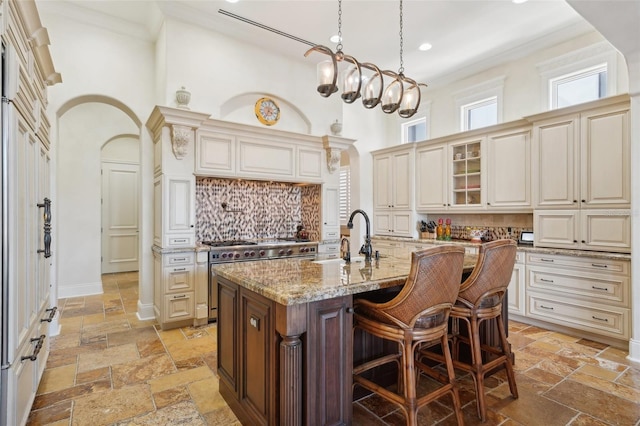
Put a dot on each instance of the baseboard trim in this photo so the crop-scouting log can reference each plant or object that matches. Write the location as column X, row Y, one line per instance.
column 88, row 289
column 634, row 351
column 145, row 311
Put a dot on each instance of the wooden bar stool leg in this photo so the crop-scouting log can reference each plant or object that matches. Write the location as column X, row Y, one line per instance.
column 507, row 353
column 477, row 367
column 409, row 382
column 457, row 406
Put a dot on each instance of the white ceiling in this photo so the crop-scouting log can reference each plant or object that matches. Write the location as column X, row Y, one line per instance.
column 467, row 35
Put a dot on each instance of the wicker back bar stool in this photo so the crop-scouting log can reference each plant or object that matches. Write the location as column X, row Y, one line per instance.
column 480, row 299
column 419, row 313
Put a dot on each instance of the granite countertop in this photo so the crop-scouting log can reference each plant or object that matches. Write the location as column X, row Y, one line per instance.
column 294, row 281
column 522, row 247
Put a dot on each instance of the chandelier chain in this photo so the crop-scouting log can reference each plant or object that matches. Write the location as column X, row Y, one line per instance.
column 339, row 46
column 401, row 70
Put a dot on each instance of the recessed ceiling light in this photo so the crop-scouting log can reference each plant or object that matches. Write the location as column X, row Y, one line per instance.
column 232, row 1
column 425, row 46
column 519, row 1
column 335, row 38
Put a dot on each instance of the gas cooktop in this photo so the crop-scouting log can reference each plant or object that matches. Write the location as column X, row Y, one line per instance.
column 232, row 243
column 229, row 243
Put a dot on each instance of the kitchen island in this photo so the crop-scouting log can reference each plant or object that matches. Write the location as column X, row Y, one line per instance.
column 285, row 340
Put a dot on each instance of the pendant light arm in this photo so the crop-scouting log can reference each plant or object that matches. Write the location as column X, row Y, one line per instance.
column 327, row 88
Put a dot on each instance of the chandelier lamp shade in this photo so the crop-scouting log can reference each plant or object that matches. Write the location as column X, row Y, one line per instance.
column 365, row 80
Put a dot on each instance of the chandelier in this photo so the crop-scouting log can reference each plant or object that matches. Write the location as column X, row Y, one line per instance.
column 366, row 80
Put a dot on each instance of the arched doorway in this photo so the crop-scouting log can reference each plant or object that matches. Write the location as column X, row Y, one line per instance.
column 85, row 124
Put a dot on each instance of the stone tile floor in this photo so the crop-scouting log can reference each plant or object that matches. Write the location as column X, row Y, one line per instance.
column 108, row 368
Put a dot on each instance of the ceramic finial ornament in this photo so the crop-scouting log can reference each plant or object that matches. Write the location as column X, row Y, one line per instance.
column 183, row 96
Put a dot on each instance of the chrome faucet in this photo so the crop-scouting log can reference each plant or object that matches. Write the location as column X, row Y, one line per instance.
column 347, row 253
column 366, row 248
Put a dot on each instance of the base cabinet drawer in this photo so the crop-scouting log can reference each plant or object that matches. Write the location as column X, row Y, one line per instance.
column 606, row 320
column 179, row 279
column 178, row 306
column 597, row 288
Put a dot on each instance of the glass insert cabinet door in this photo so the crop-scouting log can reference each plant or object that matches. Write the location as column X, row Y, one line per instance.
column 466, row 174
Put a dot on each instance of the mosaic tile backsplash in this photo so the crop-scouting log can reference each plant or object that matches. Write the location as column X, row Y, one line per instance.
column 230, row 209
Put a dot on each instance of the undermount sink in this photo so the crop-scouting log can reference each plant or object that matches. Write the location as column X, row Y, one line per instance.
column 354, row 259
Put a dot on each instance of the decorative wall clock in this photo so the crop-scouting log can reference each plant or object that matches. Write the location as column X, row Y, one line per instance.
column 267, row 111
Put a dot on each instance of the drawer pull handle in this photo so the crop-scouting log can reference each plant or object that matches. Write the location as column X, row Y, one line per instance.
column 179, row 269
column 599, row 265
column 52, row 313
column 180, row 240
column 546, row 281
column 36, row 350
column 179, row 259
column 550, row 308
column 542, row 259
column 599, row 319
column 180, row 296
column 599, row 288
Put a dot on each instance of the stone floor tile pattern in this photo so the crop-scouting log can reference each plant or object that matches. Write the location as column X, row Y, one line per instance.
column 106, row 367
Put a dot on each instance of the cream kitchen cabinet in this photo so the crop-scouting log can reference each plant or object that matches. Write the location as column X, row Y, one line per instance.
column 329, row 250
column 393, row 179
column 174, row 293
column 174, row 225
column 591, row 294
column 393, row 192
column 467, row 174
column 227, row 149
column 330, row 212
column 582, row 184
column 517, row 286
column 432, row 185
column 397, row 223
column 482, row 170
column 581, row 156
column 215, row 153
column 594, row 229
column 26, row 307
column 509, row 170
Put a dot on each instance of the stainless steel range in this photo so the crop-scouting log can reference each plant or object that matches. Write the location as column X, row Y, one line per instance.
column 243, row 251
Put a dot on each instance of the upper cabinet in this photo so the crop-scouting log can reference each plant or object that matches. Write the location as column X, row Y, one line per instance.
column 467, row 176
column 393, row 177
column 582, row 159
column 581, row 177
column 393, row 192
column 431, row 177
column 484, row 170
column 509, row 169
column 225, row 149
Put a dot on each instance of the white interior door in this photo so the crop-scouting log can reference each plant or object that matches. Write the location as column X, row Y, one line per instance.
column 120, row 195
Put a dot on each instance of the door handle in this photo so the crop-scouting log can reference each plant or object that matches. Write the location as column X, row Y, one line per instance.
column 47, row 227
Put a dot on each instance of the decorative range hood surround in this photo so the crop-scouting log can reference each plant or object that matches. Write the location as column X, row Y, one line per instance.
column 183, row 124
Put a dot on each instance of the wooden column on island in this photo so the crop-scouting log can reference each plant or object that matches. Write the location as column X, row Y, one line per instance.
column 290, row 324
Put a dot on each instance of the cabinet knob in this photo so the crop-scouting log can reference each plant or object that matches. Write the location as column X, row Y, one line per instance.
column 575, row 241
column 488, row 204
column 583, row 242
column 584, row 201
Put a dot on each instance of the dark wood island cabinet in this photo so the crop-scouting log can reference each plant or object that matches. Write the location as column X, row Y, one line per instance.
column 285, row 340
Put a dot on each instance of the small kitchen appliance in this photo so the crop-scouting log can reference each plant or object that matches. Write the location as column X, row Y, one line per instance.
column 526, row 237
